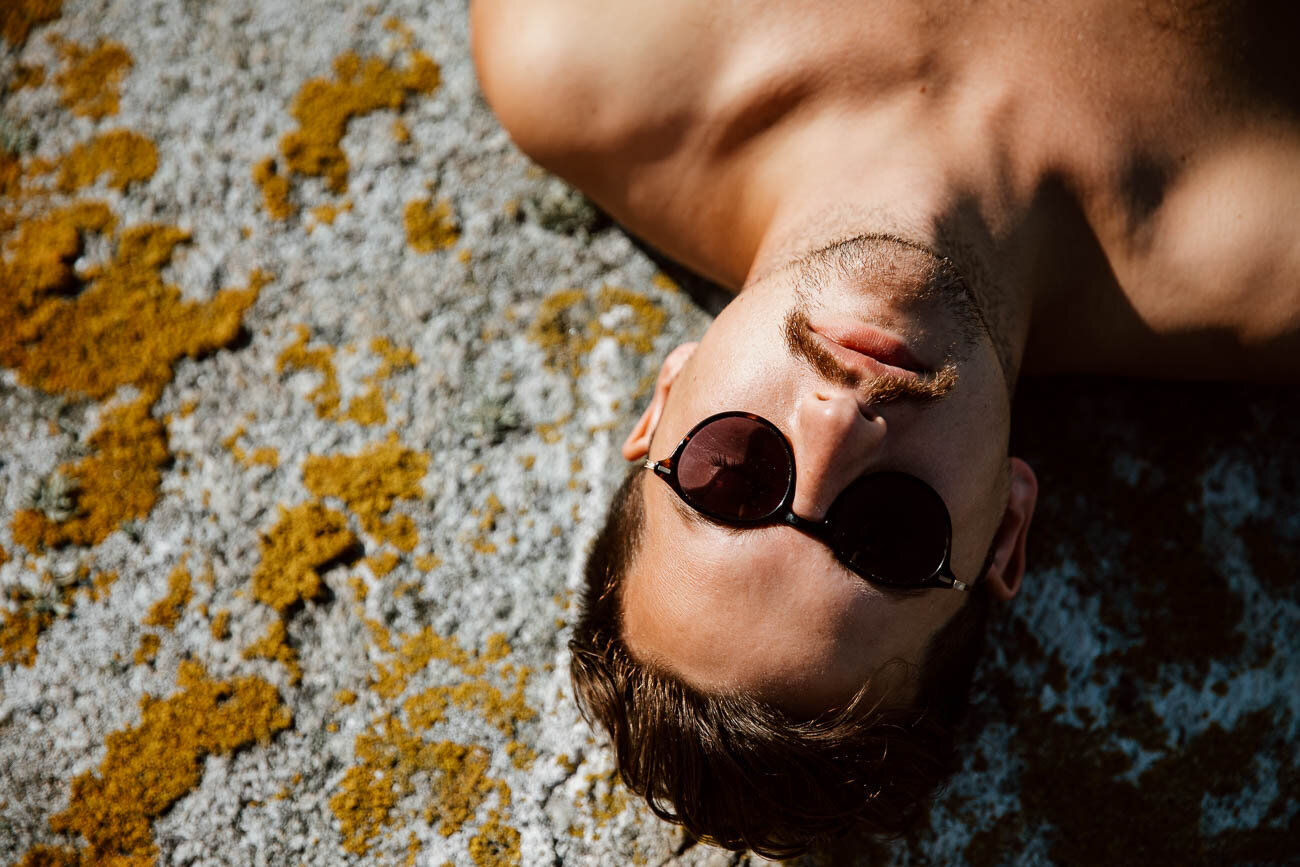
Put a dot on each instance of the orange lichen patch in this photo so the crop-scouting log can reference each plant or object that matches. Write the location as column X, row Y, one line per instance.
column 147, row 650
column 488, row 515
column 380, row 635
column 496, row 844
column 521, row 755
column 401, row 131
column 323, row 109
column 395, row 358
column 381, row 564
column 92, row 79
column 18, row 17
column 297, row 356
column 167, row 612
column 275, row 189
column 151, row 765
column 99, row 585
column 63, row 344
column 399, row 532
column 19, row 632
column 274, row 645
column 117, row 482
column 123, row 155
column 345, row 697
column 497, row 648
column 568, row 325
column 502, row 710
column 605, row 797
column 369, row 483
column 263, row 456
column 26, row 76
column 4, row 556
column 326, row 214
column 304, row 539
column 220, row 627
column 428, row 562
column 368, row 408
column 660, row 280
column 429, row 227
column 389, row 760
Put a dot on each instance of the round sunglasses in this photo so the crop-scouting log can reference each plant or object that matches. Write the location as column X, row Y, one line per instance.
column 891, row 528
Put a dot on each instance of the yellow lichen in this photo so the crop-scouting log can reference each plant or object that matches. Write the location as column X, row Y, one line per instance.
column 664, row 282
column 41, row 855
column 19, row 632
column 147, row 650
column 323, row 108
column 429, row 227
column 151, row 765
column 326, row 214
column 117, row 482
column 381, row 564
column 345, row 697
column 401, row 131
column 426, row 709
column 65, row 332
column 91, row 81
column 521, row 755
column 428, row 562
column 167, row 611
column 368, row 408
column 220, row 627
column 297, row 356
column 568, row 325
column 369, row 483
column 275, row 189
column 274, row 645
column 123, row 155
column 496, row 844
column 18, row 17
column 306, row 538
column 26, row 76
column 389, row 759
column 100, row 585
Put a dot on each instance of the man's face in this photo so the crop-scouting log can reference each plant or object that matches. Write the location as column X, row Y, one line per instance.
column 770, row 610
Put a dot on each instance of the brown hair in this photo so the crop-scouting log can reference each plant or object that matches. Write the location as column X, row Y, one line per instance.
column 740, row 773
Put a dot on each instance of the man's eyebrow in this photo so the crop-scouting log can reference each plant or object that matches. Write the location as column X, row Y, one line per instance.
column 930, row 386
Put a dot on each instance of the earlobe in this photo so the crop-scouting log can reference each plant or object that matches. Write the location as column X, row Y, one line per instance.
column 637, row 444
column 1008, row 567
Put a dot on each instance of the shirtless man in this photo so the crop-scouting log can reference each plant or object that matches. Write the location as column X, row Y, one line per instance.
column 915, row 202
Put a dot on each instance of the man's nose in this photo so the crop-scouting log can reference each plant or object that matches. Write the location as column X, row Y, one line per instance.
column 834, row 443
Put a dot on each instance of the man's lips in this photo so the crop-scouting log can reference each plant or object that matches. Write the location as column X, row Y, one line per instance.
column 861, row 347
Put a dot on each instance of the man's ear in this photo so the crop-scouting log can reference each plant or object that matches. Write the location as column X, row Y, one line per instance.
column 637, row 444
column 1008, row 567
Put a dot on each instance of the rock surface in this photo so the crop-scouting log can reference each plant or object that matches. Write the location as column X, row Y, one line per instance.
column 311, row 398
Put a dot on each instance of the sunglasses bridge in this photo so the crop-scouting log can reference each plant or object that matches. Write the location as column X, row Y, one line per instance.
column 784, row 514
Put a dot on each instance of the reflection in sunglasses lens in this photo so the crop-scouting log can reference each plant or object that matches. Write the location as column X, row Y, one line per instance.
column 735, row 467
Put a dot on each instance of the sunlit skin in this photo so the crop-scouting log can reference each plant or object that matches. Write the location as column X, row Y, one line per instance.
column 1119, row 182
column 769, row 609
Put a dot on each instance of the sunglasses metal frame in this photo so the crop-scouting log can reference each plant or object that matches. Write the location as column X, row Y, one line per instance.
column 824, row 530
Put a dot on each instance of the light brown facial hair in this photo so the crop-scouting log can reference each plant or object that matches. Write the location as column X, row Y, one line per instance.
column 887, row 388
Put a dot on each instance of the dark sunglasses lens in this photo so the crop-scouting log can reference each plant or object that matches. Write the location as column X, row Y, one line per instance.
column 892, row 526
column 735, row 468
